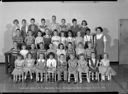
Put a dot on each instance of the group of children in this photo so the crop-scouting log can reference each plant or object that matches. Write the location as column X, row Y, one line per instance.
column 72, row 51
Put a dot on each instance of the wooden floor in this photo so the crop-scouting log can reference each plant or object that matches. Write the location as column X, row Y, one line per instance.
column 119, row 83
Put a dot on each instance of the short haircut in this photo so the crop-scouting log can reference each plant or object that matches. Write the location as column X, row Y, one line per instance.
column 18, row 29
column 101, row 29
column 53, row 16
column 15, row 20
column 63, row 19
column 23, row 20
column 85, row 22
column 32, row 19
column 61, row 55
column 70, row 32
column 19, row 55
column 62, row 32
column 73, row 20
column 42, row 19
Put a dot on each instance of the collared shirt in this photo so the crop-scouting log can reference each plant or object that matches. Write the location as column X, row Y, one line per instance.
column 98, row 36
column 51, row 63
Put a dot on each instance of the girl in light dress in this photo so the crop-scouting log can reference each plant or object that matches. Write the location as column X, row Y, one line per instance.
column 80, row 49
column 41, row 67
column 88, row 37
column 62, row 38
column 78, row 39
column 18, row 70
column 60, row 50
column 24, row 51
column 83, row 67
column 38, row 39
column 51, row 64
column 105, row 69
column 29, row 66
column 55, row 38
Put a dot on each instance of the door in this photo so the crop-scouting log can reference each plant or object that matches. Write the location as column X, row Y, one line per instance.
column 123, row 43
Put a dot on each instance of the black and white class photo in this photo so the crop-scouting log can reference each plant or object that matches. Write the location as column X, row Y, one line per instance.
column 69, row 46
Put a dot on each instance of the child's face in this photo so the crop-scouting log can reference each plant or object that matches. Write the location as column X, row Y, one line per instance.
column 93, row 55
column 80, row 46
column 69, row 46
column 81, row 57
column 43, row 22
column 29, row 33
column 84, row 24
column 69, row 34
column 87, row 32
column 62, row 57
column 23, row 47
column 14, row 44
column 16, row 23
column 63, row 21
column 51, row 56
column 89, row 45
column 39, row 34
column 23, row 23
column 61, row 46
column 32, row 21
column 53, row 18
column 75, row 23
column 55, row 33
column 98, row 31
column 62, row 34
column 41, row 56
column 29, row 56
column 78, row 34
column 72, row 56
column 105, row 56
column 47, row 31
column 41, row 46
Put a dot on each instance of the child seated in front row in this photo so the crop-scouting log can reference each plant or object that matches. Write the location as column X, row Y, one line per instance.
column 72, row 68
column 40, row 67
column 18, row 70
column 93, row 67
column 105, row 69
column 29, row 66
column 83, row 67
column 62, row 67
column 51, row 64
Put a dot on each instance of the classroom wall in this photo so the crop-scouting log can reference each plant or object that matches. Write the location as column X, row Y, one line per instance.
column 105, row 14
